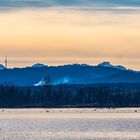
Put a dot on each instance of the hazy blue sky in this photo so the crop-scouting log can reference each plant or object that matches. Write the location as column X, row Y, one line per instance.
column 43, row 3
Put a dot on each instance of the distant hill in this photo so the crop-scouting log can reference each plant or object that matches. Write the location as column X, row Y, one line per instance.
column 69, row 74
column 2, row 67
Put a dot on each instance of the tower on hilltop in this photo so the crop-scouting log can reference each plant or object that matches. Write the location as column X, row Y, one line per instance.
column 6, row 62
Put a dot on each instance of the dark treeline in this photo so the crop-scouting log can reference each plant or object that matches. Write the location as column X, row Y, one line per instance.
column 100, row 95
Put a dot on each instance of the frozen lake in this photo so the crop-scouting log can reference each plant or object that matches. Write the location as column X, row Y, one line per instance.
column 70, row 124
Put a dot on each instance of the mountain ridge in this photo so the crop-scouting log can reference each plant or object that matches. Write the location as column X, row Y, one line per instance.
column 69, row 74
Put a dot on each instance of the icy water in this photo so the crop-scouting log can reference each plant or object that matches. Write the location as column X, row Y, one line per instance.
column 70, row 124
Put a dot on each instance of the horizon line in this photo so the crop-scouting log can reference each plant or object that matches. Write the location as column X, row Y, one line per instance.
column 65, row 64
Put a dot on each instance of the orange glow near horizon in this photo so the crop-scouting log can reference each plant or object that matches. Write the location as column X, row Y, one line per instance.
column 68, row 36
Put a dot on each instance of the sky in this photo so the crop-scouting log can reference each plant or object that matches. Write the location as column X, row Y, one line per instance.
column 57, row 32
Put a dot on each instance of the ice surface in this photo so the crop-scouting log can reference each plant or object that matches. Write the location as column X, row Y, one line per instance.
column 70, row 124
